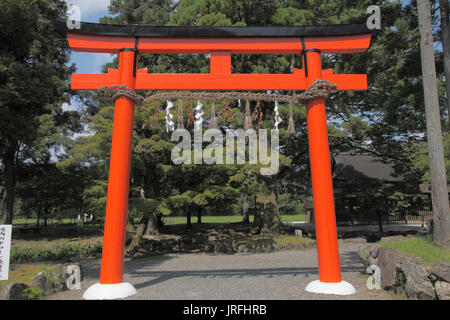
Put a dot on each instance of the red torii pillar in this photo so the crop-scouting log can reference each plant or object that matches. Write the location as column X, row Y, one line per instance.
column 220, row 43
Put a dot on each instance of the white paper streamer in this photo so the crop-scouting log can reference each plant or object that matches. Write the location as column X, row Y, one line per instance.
column 278, row 119
column 170, row 126
column 198, row 116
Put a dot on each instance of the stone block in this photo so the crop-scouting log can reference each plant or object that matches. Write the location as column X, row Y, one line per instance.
column 442, row 290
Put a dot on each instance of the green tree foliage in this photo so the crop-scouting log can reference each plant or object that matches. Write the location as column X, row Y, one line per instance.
column 419, row 158
column 287, row 204
column 147, row 12
column 33, row 87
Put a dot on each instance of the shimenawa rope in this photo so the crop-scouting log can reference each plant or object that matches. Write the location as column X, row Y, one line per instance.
column 319, row 89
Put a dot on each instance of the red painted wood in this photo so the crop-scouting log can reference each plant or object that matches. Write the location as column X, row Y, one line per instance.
column 220, row 62
column 218, row 81
column 249, row 45
column 119, row 177
column 322, row 184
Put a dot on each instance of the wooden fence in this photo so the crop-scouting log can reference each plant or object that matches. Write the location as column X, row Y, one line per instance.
column 370, row 219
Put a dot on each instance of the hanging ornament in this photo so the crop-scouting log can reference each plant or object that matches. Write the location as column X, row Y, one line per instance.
column 248, row 119
column 198, row 116
column 180, row 124
column 278, row 119
column 213, row 122
column 257, row 114
column 291, row 126
column 190, row 116
column 225, row 112
column 169, row 123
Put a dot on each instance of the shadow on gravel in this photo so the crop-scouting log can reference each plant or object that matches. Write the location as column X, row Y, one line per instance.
column 91, row 267
column 161, row 276
column 350, row 258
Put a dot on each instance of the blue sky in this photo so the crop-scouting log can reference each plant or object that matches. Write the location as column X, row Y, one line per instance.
column 91, row 11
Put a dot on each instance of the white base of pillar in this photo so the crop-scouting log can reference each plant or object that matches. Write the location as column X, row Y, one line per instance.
column 100, row 291
column 338, row 288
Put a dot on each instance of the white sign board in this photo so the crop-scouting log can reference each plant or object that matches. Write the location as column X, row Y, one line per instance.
column 5, row 248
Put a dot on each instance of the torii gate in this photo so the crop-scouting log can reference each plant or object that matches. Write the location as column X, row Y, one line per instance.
column 220, row 43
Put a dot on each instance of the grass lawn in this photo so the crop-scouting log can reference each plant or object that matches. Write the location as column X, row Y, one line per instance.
column 32, row 221
column 421, row 247
column 172, row 220
column 23, row 273
column 293, row 217
column 226, row 219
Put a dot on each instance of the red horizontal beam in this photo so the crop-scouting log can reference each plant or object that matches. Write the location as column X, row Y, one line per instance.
column 188, row 81
column 80, row 81
column 234, row 45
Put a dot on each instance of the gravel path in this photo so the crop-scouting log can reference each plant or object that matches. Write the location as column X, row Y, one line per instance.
column 281, row 275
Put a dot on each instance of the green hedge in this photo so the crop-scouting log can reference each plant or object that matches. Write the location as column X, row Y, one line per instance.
column 60, row 252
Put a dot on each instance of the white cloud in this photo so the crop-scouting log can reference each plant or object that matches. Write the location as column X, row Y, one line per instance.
column 89, row 6
column 100, row 59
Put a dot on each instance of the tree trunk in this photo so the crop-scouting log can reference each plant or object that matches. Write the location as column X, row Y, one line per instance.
column 159, row 220
column 138, row 236
column 199, row 216
column 152, row 220
column 380, row 219
column 147, row 226
column 9, row 185
column 189, row 219
column 130, row 224
column 439, row 192
column 152, row 225
column 38, row 216
column 445, row 32
column 267, row 217
column 245, row 208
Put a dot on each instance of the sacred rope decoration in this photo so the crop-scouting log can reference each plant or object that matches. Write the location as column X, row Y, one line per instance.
column 278, row 119
column 198, row 116
column 169, row 123
column 248, row 119
column 257, row 114
column 226, row 112
column 180, row 124
column 319, row 89
column 213, row 122
column 190, row 116
column 291, row 126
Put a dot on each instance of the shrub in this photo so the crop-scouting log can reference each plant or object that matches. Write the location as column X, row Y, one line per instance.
column 34, row 293
column 60, row 252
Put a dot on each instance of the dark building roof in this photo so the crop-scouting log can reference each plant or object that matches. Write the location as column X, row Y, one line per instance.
column 353, row 167
column 207, row 31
